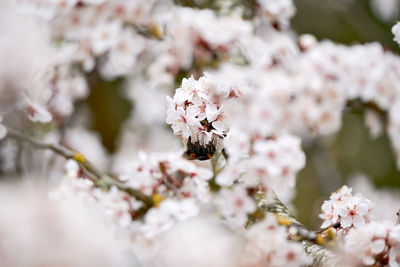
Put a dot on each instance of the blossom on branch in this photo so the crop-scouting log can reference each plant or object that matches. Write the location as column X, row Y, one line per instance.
column 344, row 210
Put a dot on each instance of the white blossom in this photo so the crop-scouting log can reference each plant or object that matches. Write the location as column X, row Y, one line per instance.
column 235, row 205
column 77, row 235
column 267, row 246
column 396, row 32
column 210, row 238
column 345, row 210
column 3, row 130
column 375, row 243
column 196, row 111
column 386, row 10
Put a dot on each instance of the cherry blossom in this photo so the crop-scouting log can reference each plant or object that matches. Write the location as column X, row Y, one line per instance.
column 241, row 97
column 166, row 174
column 396, row 32
column 345, row 210
column 235, row 205
column 265, row 246
column 196, row 111
column 277, row 11
column 3, row 130
column 373, row 244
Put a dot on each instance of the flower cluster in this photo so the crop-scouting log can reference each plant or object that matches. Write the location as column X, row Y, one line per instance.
column 382, row 197
column 235, row 205
column 252, row 92
column 277, row 12
column 25, row 79
column 271, row 164
column 344, row 210
column 193, row 38
column 267, row 246
column 196, row 112
column 377, row 243
column 77, row 235
column 167, row 175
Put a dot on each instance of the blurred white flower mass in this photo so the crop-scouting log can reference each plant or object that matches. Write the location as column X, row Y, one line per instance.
column 174, row 133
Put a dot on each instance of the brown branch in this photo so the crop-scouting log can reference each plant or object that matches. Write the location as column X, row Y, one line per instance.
column 99, row 178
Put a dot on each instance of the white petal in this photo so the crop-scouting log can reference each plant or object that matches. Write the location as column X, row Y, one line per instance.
column 346, row 222
column 212, row 112
column 3, row 131
column 378, row 246
column 358, row 221
column 220, row 126
column 368, row 260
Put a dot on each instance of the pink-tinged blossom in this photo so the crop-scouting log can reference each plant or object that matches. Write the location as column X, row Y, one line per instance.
column 196, row 111
column 235, row 205
column 71, row 234
column 168, row 175
column 375, row 243
column 381, row 197
column 203, row 240
column 73, row 185
column 271, row 164
column 277, row 11
column 170, row 211
column 195, row 36
column 116, row 205
column 344, row 210
column 25, row 79
column 267, row 245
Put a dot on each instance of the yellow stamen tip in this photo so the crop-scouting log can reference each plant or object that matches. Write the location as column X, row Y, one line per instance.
column 282, row 220
column 157, row 199
column 155, row 30
column 320, row 239
column 79, row 157
column 330, row 233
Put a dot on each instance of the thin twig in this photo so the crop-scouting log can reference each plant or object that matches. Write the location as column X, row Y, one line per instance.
column 311, row 240
column 58, row 149
column 99, row 178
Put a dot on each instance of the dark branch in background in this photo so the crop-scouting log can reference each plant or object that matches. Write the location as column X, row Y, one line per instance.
column 100, row 179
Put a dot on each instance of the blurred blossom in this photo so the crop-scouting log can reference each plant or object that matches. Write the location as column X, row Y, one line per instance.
column 277, row 11
column 374, row 123
column 386, row 10
column 3, row 130
column 235, row 205
column 271, row 164
column 266, row 246
column 24, row 80
column 373, row 244
column 203, row 241
column 396, row 32
column 88, row 143
column 221, row 106
column 37, row 232
column 382, row 197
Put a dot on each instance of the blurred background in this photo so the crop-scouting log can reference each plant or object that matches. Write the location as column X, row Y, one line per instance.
column 332, row 160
